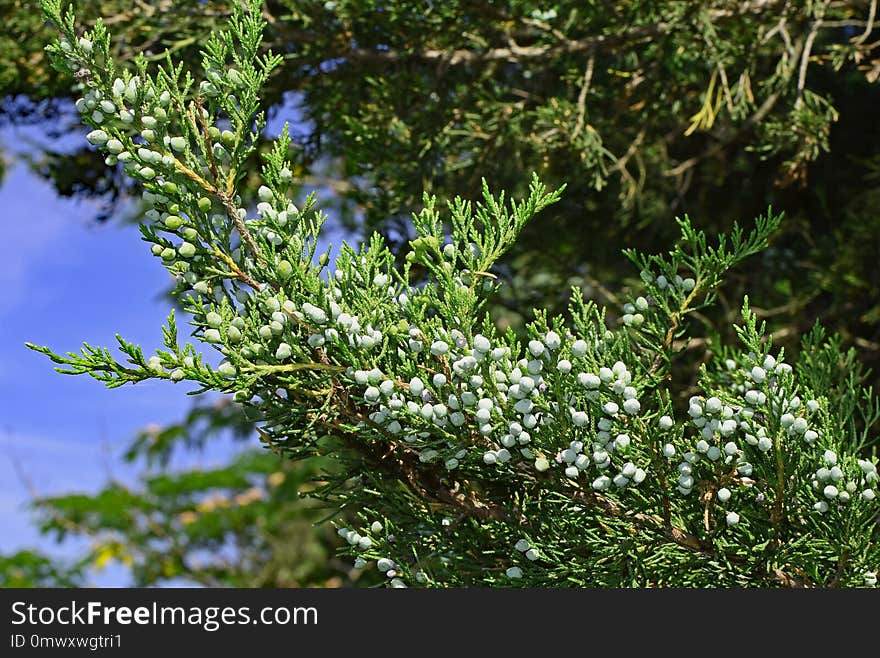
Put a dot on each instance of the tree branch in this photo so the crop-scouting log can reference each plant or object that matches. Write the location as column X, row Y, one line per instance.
column 512, row 53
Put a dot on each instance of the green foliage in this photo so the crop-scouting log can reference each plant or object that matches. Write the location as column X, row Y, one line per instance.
column 204, row 421
column 240, row 525
column 469, row 456
column 28, row 568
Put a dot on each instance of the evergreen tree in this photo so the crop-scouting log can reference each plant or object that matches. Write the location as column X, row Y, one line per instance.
column 474, row 457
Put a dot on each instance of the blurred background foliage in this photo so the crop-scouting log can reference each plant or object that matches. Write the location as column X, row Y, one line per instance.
column 646, row 110
column 27, row 568
column 244, row 524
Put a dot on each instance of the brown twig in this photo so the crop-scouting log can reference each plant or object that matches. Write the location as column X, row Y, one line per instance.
column 869, row 24
column 805, row 61
column 232, row 213
column 683, row 538
column 673, row 328
column 511, row 53
column 223, row 195
column 206, row 136
column 236, row 270
column 582, row 97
